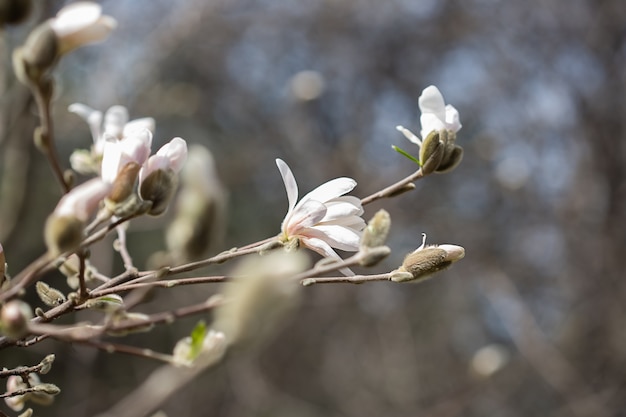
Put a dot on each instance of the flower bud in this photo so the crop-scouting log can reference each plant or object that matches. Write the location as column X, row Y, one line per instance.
column 14, row 318
column 79, row 24
column 431, row 153
column 158, row 178
column 200, row 208
column 124, row 183
column 376, row 231
column 264, row 295
column 50, row 296
column 427, row 260
column 46, row 364
column 37, row 56
column 158, row 188
column 63, row 233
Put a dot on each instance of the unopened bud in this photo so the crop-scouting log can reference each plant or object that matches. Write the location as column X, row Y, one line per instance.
column 50, row 296
column 14, row 318
column 107, row 303
column 158, row 188
column 37, row 56
column 124, row 183
column 63, row 233
column 431, row 153
column 427, row 260
column 375, row 234
column 46, row 364
column 126, row 323
column 264, row 295
column 452, row 153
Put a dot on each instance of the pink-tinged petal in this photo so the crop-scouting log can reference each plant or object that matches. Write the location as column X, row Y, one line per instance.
column 83, row 199
column 306, row 215
column 331, row 189
column 176, row 153
column 431, row 101
column 154, row 163
column 290, row 183
column 336, row 236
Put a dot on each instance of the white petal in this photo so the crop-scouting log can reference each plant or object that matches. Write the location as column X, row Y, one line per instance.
column 306, row 215
column 343, row 207
column 331, row 189
column 114, row 120
column 139, row 124
column 431, row 101
column 93, row 119
column 75, row 17
column 290, row 183
column 111, row 155
column 83, row 199
column 336, row 236
column 453, row 121
column 429, row 123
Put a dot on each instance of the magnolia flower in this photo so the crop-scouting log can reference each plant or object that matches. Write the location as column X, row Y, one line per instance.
column 440, row 122
column 82, row 201
column 118, row 153
column 323, row 219
column 114, row 124
column 79, row 24
column 158, row 177
column 171, row 156
column 436, row 115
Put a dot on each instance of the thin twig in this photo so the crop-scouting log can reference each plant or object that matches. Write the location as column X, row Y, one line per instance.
column 393, row 189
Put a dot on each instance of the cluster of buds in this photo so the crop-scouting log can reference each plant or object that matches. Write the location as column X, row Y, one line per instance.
column 131, row 181
column 35, row 391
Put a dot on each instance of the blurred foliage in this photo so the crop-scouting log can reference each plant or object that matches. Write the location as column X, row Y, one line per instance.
column 539, row 201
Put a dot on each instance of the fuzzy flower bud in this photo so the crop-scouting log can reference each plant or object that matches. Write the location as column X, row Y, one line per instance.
column 14, row 318
column 264, row 294
column 376, row 231
column 200, row 208
column 427, row 260
column 158, row 178
column 64, row 227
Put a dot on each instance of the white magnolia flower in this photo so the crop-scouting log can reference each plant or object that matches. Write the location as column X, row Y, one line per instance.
column 118, row 153
column 114, row 123
column 324, row 218
column 79, row 24
column 83, row 199
column 436, row 115
column 171, row 156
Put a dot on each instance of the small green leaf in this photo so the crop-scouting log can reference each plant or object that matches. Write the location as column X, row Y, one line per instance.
column 406, row 154
column 197, row 339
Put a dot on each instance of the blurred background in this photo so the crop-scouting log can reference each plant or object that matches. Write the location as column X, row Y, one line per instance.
column 531, row 322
